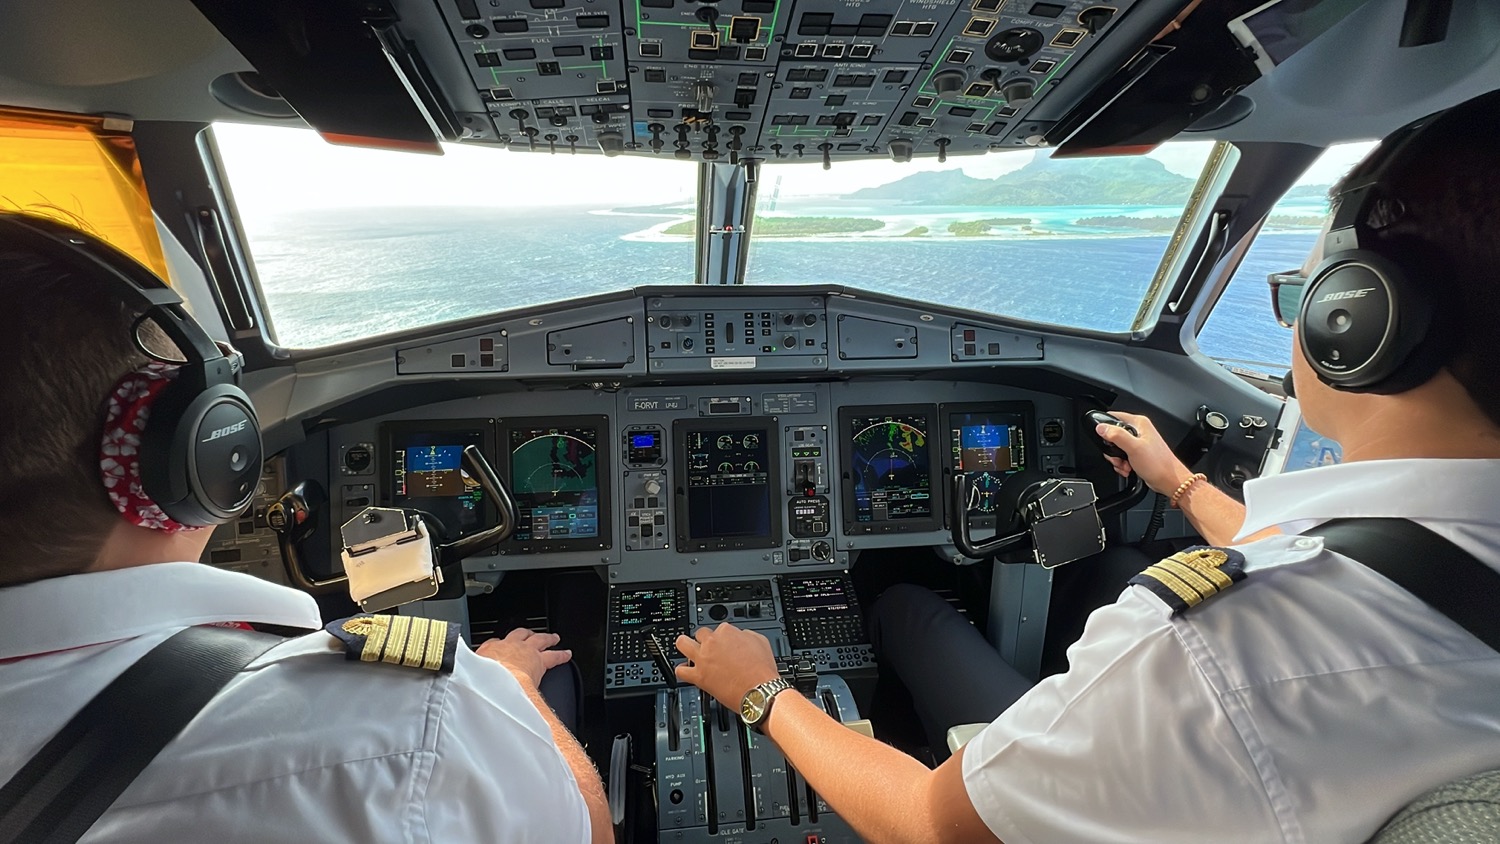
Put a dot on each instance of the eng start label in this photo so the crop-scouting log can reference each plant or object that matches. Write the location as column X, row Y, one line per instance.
column 732, row 363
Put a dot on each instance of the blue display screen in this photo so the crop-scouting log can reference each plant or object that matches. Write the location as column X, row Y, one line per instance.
column 642, row 440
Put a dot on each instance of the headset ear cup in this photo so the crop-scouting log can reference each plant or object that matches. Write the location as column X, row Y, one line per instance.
column 1360, row 321
column 201, row 454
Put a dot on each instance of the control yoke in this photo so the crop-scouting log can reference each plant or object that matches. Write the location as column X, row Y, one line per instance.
column 1059, row 518
column 505, row 509
column 396, row 555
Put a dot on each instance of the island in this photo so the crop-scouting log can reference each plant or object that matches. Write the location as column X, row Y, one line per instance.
column 793, row 226
column 976, row 228
column 1044, row 181
column 1160, row 224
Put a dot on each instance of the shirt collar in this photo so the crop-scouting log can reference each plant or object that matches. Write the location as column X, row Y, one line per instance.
column 1426, row 490
column 60, row 613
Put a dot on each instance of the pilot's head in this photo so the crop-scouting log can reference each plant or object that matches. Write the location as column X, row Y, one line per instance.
column 1436, row 220
column 66, row 346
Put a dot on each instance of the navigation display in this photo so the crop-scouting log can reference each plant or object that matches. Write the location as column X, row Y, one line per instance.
column 726, row 481
column 426, row 472
column 989, row 444
column 889, row 461
column 555, row 479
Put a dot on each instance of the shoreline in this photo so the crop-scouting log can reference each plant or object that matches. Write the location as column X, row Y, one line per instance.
column 894, row 231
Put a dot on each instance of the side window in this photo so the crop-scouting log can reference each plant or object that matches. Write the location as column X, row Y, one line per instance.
column 1242, row 331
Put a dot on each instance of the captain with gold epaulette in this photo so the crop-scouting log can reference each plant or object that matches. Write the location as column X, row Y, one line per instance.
column 383, row 728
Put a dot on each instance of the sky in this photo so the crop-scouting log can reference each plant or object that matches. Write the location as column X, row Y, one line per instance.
column 275, row 168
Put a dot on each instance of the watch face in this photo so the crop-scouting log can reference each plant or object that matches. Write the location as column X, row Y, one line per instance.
column 753, row 706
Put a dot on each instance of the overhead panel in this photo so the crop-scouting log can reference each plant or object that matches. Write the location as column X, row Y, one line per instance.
column 712, row 80
column 551, row 72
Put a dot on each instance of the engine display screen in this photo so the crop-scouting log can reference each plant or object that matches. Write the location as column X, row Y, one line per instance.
column 555, row 480
column 727, row 479
column 889, row 464
column 427, row 473
column 988, row 445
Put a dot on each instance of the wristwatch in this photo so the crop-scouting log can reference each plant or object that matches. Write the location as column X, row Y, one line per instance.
column 756, row 706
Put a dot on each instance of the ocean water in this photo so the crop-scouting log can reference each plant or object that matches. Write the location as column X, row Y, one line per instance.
column 331, row 276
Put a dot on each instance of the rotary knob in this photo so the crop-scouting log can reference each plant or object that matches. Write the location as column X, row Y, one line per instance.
column 1017, row 90
column 947, row 82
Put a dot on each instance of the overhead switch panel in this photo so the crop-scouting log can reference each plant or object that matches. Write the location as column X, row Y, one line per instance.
column 722, row 80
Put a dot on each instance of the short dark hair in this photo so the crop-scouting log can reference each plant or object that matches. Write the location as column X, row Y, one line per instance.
column 1447, row 236
column 67, row 342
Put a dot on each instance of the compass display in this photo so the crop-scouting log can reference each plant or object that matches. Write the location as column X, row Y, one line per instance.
column 988, row 446
column 554, row 478
column 891, row 467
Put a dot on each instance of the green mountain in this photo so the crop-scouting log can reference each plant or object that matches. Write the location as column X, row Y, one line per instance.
column 1045, row 181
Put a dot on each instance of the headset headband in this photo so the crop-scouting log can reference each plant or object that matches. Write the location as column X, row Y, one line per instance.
column 1358, row 208
column 206, row 363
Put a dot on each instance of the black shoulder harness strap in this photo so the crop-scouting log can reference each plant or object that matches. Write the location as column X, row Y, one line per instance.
column 77, row 775
column 1446, row 577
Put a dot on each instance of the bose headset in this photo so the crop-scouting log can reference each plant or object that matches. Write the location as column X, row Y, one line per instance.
column 1363, row 325
column 200, row 450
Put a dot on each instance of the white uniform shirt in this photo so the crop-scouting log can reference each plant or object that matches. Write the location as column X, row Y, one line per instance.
column 302, row 745
column 1308, row 703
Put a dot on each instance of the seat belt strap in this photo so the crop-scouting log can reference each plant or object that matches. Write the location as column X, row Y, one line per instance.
column 58, row 795
column 1445, row 576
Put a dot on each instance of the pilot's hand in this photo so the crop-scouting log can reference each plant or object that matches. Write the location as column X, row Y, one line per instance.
column 1148, row 455
column 727, row 662
column 525, row 653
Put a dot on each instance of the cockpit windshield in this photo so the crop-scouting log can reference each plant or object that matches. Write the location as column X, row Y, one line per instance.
column 1071, row 242
column 353, row 243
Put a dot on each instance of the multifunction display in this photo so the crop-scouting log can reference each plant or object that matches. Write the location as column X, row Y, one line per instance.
column 816, row 595
column 555, row 479
column 650, row 607
column 989, row 444
column 726, row 482
column 426, row 472
column 889, row 462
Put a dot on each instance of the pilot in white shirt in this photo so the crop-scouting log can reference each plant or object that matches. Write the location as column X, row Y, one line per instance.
column 1309, row 702
column 303, row 745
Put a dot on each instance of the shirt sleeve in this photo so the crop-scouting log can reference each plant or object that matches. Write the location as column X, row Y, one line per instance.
column 497, row 774
column 1131, row 744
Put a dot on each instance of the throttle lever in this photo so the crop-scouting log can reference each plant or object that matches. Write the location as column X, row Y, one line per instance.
column 1095, row 418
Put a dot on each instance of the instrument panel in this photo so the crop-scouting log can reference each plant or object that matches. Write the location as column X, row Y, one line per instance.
column 756, row 478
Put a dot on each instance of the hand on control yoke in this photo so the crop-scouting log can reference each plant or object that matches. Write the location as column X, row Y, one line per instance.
column 1146, row 454
column 526, row 653
column 727, row 662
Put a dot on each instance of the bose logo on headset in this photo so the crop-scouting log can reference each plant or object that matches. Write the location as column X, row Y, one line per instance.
column 226, row 431
column 1346, row 294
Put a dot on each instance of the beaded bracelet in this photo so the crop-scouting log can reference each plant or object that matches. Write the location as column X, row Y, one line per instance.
column 1185, row 486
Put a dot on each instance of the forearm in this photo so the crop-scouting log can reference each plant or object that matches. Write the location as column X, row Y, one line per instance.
column 1217, row 517
column 883, row 793
column 577, row 759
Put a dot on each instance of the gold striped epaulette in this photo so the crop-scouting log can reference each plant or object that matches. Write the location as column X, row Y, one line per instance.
column 398, row 639
column 1188, row 578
